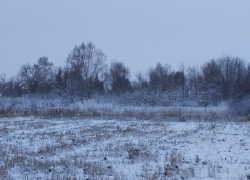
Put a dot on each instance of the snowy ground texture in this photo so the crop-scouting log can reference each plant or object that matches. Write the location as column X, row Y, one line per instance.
column 97, row 148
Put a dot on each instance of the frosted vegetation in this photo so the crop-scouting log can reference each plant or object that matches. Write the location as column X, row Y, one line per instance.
column 89, row 120
column 86, row 75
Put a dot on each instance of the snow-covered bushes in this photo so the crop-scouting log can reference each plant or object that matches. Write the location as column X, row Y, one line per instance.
column 145, row 98
column 240, row 106
column 110, row 107
column 156, row 98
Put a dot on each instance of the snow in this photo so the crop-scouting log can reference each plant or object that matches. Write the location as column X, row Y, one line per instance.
column 83, row 148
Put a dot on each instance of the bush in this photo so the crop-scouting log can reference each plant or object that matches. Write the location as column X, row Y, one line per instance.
column 240, row 106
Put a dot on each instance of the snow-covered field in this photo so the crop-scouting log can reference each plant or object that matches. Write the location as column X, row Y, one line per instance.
column 99, row 148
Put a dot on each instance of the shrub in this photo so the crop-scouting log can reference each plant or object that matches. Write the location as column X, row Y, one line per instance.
column 240, row 106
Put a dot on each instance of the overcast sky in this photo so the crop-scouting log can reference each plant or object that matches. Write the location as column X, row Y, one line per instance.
column 138, row 33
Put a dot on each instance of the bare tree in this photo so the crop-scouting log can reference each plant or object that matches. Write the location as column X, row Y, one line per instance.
column 26, row 77
column 183, row 79
column 44, row 75
column 88, row 60
column 85, row 65
column 141, row 81
column 38, row 78
column 193, row 80
column 119, row 75
column 13, row 88
column 233, row 72
column 3, row 88
column 160, row 77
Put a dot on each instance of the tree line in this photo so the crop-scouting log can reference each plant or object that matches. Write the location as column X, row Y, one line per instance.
column 86, row 73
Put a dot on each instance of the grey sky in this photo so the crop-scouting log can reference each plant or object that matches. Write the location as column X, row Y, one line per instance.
column 138, row 33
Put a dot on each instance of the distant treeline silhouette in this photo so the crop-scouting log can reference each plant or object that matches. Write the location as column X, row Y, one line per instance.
column 86, row 73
